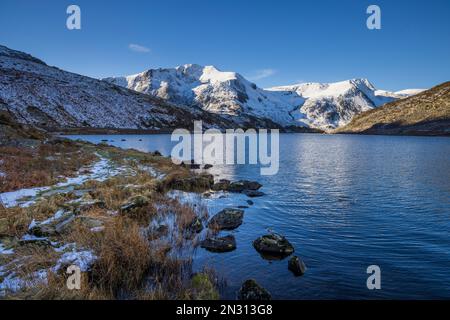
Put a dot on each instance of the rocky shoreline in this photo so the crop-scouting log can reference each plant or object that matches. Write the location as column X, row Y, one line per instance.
column 117, row 219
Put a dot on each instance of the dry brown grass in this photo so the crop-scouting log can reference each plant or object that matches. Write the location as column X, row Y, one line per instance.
column 129, row 265
column 40, row 166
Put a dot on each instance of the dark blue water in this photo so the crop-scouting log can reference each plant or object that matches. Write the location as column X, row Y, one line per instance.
column 344, row 202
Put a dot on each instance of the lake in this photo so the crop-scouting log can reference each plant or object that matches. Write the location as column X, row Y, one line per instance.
column 345, row 202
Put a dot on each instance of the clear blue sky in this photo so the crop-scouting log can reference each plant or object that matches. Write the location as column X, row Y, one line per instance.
column 272, row 42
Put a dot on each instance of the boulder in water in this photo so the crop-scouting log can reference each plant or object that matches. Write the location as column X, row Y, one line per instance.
column 273, row 246
column 251, row 290
column 227, row 219
column 297, row 266
column 219, row 244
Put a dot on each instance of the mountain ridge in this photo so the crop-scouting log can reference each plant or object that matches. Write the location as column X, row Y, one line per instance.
column 316, row 105
column 167, row 98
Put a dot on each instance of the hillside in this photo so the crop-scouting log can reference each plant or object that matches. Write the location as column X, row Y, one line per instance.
column 36, row 94
column 427, row 113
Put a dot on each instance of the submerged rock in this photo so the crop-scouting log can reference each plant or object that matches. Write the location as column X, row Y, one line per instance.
column 273, row 246
column 134, row 203
column 219, row 244
column 242, row 185
column 253, row 193
column 251, row 290
column 297, row 266
column 227, row 219
column 250, row 202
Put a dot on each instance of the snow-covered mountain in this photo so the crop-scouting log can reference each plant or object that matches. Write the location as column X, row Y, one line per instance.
column 35, row 93
column 316, row 105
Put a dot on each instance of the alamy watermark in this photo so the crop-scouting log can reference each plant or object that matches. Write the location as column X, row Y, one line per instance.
column 374, row 280
column 74, row 279
column 374, row 20
column 232, row 147
column 73, row 21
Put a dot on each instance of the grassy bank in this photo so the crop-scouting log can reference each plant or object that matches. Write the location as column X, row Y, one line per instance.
column 105, row 210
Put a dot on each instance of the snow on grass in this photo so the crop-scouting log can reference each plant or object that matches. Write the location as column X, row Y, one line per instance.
column 13, row 283
column 82, row 259
column 152, row 171
column 100, row 171
column 3, row 250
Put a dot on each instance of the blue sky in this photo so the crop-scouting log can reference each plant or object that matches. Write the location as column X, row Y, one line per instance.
column 271, row 42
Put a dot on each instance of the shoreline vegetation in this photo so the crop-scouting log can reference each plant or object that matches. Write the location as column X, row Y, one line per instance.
column 119, row 215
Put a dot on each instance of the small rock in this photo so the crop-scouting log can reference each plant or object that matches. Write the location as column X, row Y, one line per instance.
column 241, row 185
column 54, row 227
column 251, row 290
column 223, row 244
column 250, row 202
column 207, row 166
column 227, row 219
column 297, row 266
column 134, row 203
column 274, row 246
column 157, row 153
column 253, row 193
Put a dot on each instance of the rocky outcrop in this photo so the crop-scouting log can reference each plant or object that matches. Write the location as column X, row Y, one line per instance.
column 194, row 182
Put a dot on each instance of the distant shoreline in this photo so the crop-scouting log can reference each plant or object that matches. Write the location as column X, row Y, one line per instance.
column 110, row 131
